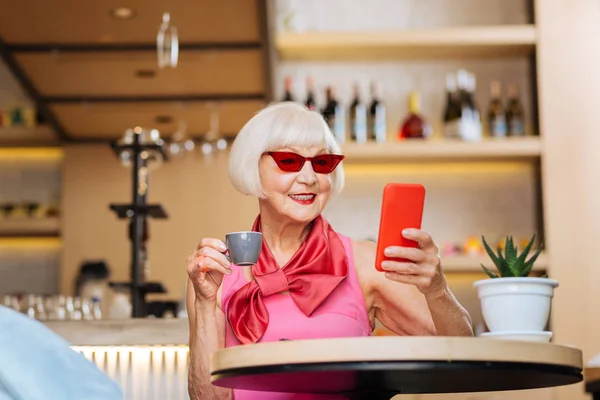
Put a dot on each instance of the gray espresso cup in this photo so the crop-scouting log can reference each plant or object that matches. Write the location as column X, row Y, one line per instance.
column 244, row 247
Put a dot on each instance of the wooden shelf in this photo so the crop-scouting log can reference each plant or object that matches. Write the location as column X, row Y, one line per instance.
column 29, row 227
column 467, row 263
column 24, row 137
column 472, row 41
column 445, row 150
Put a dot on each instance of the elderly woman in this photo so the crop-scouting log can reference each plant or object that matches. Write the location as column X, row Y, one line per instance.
column 310, row 281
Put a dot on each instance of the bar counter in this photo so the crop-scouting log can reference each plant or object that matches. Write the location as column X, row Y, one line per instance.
column 126, row 332
column 148, row 358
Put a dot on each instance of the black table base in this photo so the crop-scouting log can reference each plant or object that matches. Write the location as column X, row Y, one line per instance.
column 383, row 380
column 593, row 388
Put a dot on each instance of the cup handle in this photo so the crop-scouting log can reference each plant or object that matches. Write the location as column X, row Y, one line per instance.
column 225, row 253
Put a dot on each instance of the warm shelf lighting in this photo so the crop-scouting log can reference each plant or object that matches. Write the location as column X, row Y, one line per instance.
column 140, row 370
column 437, row 168
column 124, row 13
column 31, row 153
column 30, row 242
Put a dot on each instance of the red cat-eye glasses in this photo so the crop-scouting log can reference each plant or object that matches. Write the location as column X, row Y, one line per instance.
column 292, row 162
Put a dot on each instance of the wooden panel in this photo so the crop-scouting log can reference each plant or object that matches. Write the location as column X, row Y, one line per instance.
column 72, row 21
column 497, row 41
column 108, row 120
column 569, row 118
column 113, row 74
column 29, row 227
column 20, row 136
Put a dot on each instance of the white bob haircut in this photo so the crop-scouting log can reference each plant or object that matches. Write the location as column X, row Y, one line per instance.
column 275, row 127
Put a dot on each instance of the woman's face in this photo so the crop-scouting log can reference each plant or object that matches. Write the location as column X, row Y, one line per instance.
column 300, row 196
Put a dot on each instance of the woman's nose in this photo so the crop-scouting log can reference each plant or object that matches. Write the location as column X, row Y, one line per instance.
column 307, row 174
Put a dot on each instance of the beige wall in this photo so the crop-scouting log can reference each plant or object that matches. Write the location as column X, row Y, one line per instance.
column 193, row 193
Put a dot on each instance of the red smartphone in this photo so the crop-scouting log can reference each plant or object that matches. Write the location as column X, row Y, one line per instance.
column 401, row 207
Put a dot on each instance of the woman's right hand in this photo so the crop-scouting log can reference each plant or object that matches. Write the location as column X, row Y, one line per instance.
column 205, row 268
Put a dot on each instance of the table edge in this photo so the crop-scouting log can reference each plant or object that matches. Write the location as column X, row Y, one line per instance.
column 393, row 348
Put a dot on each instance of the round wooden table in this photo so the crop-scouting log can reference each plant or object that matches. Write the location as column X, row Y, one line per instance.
column 382, row 367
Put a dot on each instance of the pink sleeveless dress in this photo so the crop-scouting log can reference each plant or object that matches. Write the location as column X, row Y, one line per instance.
column 342, row 314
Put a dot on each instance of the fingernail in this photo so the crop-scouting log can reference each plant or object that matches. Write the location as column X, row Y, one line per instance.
column 228, row 271
column 223, row 247
column 200, row 261
column 407, row 231
column 387, row 251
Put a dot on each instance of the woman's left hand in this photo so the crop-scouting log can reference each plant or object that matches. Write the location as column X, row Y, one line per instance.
column 422, row 268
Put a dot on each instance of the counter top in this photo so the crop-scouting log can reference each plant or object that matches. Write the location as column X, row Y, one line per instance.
column 128, row 332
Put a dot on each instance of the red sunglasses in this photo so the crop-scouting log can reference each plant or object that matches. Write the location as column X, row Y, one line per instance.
column 292, row 162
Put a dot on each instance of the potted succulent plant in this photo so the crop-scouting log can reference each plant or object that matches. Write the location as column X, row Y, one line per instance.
column 513, row 303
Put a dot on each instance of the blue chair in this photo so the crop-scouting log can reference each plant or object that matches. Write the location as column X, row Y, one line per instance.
column 37, row 364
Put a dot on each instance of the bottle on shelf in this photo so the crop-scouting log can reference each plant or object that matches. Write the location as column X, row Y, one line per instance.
column 310, row 102
column 452, row 110
column 414, row 125
column 470, row 121
column 496, row 119
column 288, row 84
column 515, row 114
column 376, row 127
column 333, row 113
column 358, row 117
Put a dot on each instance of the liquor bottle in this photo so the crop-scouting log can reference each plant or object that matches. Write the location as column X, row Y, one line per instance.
column 358, row 118
column 470, row 121
column 333, row 113
column 376, row 127
column 477, row 124
column 452, row 111
column 288, row 83
column 515, row 115
column 414, row 125
column 496, row 118
column 310, row 102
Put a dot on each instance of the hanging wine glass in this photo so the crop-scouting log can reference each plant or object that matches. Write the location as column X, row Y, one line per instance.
column 167, row 43
column 180, row 142
column 147, row 136
column 213, row 141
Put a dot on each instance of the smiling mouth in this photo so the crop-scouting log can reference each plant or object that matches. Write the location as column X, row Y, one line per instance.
column 304, row 198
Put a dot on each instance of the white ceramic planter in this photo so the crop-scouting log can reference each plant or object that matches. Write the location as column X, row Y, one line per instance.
column 516, row 304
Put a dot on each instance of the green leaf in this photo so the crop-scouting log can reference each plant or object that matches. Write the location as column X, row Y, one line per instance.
column 529, row 264
column 488, row 272
column 500, row 263
column 511, row 256
column 506, row 271
column 523, row 256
